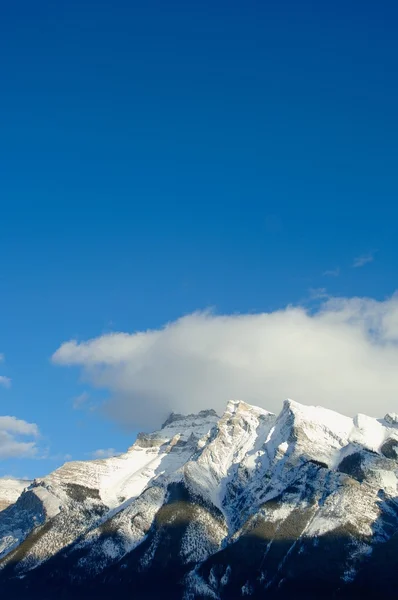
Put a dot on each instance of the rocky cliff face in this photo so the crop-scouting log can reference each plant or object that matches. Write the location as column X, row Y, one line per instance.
column 300, row 504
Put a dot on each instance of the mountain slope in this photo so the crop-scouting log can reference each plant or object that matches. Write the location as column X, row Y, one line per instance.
column 303, row 503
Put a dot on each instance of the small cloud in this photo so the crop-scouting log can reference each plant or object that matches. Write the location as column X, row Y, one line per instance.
column 58, row 457
column 2, row 357
column 11, row 432
column 104, row 453
column 332, row 272
column 18, row 426
column 364, row 259
column 80, row 400
column 5, row 381
column 318, row 293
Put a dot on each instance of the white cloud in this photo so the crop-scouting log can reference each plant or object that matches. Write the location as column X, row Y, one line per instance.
column 104, row 453
column 11, row 432
column 344, row 356
column 2, row 356
column 332, row 272
column 18, row 426
column 364, row 259
column 5, row 381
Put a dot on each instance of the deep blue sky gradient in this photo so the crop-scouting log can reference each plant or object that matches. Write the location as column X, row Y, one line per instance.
column 162, row 157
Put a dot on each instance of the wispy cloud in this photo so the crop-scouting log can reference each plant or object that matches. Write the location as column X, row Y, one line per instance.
column 318, row 293
column 79, row 401
column 5, row 381
column 332, row 272
column 363, row 259
column 104, row 453
column 57, row 457
column 10, row 476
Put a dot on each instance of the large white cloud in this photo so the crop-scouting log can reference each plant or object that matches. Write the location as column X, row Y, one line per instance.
column 13, row 435
column 343, row 356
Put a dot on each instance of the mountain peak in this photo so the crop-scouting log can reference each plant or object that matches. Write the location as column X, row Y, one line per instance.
column 178, row 417
column 239, row 406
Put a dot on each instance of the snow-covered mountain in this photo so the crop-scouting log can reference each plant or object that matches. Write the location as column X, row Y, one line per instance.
column 300, row 504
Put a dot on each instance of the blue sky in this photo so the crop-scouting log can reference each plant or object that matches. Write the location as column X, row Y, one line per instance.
column 165, row 157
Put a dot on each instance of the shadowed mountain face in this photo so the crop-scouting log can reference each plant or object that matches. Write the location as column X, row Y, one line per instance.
column 299, row 505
